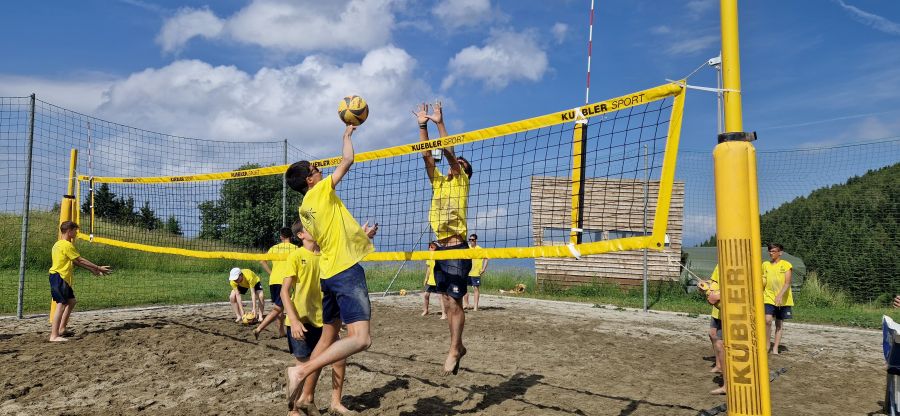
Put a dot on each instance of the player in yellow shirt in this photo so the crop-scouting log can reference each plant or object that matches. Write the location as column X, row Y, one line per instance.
column 430, row 284
column 62, row 277
column 778, row 298
column 449, row 202
column 276, row 275
column 302, row 298
column 479, row 266
column 713, row 296
column 343, row 243
column 241, row 281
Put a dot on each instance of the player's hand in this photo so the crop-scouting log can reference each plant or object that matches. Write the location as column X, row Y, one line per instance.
column 437, row 113
column 421, row 113
column 348, row 131
column 779, row 301
column 370, row 231
column 298, row 330
column 103, row 270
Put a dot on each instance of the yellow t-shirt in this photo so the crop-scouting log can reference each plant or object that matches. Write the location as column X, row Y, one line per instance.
column 774, row 278
column 307, row 294
column 250, row 280
column 713, row 286
column 430, row 265
column 341, row 240
column 449, row 201
column 477, row 266
column 63, row 254
column 280, row 269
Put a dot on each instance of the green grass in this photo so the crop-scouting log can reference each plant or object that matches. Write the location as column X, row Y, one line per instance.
column 147, row 279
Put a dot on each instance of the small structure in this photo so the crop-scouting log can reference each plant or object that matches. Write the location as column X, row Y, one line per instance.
column 613, row 208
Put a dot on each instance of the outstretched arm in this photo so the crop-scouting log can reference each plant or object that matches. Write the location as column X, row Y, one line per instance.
column 346, row 157
column 421, row 114
column 437, row 116
column 95, row 269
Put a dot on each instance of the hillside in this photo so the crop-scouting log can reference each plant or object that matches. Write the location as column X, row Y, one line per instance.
column 847, row 233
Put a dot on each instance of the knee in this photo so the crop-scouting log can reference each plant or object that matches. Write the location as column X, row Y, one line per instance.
column 363, row 341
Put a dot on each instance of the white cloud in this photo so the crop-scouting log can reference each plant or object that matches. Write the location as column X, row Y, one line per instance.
column 455, row 14
column 506, row 57
column 872, row 20
column 294, row 26
column 79, row 95
column 696, row 8
column 194, row 99
column 187, row 24
column 559, row 31
column 694, row 44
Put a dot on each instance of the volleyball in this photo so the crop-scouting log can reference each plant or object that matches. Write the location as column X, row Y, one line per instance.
column 353, row 110
column 248, row 318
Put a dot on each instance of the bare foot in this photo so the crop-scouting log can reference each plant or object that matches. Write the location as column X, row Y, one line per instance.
column 256, row 334
column 775, row 350
column 443, row 316
column 425, row 312
column 475, row 308
column 292, row 386
column 715, row 370
column 58, row 339
column 720, row 390
column 339, row 409
column 451, row 365
column 308, row 409
column 237, row 320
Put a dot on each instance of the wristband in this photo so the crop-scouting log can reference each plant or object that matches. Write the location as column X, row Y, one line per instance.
column 423, row 126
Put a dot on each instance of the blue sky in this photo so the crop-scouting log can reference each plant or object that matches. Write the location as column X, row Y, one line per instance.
column 814, row 72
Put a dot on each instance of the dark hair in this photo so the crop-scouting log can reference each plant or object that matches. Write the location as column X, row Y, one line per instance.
column 433, row 243
column 473, row 235
column 66, row 226
column 297, row 227
column 775, row 245
column 296, row 176
column 285, row 232
column 468, row 168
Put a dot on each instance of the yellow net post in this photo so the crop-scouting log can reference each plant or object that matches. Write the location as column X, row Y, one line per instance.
column 738, row 241
column 579, row 136
column 68, row 207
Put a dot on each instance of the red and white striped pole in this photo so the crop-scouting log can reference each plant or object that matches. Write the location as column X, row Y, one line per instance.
column 587, row 91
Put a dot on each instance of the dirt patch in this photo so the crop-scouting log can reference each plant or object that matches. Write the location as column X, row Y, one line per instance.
column 525, row 357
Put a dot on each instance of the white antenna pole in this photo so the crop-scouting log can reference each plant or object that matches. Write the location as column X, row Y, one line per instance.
column 587, row 91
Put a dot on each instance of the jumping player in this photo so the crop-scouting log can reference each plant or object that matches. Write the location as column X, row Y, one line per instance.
column 343, row 244
column 447, row 216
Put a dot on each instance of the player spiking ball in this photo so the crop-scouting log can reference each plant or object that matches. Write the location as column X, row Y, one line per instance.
column 343, row 244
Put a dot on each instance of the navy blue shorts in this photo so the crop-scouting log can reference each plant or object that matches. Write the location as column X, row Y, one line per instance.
column 60, row 291
column 717, row 324
column 430, row 289
column 346, row 296
column 475, row 281
column 243, row 290
column 303, row 348
column 275, row 293
column 452, row 276
column 779, row 312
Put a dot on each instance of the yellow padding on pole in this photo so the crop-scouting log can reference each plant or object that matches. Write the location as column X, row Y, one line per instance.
column 566, row 116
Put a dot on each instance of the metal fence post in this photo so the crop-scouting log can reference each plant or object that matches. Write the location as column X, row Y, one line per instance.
column 25, row 214
column 284, row 190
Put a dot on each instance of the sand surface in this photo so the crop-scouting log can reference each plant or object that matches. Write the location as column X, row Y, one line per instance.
column 525, row 357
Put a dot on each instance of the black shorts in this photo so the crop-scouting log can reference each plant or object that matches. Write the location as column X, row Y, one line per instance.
column 275, row 292
column 452, row 276
column 430, row 289
column 60, row 291
column 243, row 290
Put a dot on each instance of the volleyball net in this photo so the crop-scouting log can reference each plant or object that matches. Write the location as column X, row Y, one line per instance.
column 565, row 184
